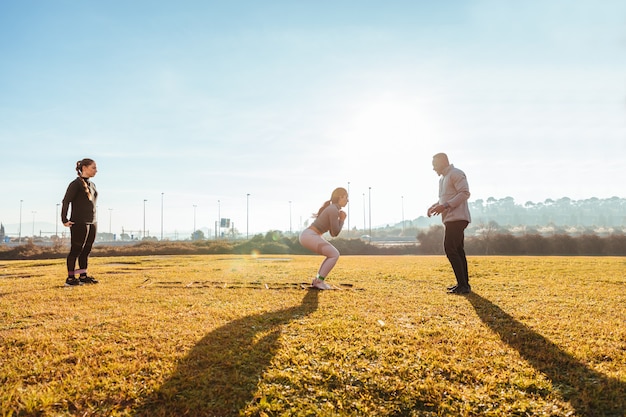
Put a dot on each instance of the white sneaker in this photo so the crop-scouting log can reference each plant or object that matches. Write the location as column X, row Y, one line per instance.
column 320, row 284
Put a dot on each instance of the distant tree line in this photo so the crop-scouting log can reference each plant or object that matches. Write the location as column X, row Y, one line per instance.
column 591, row 212
column 504, row 243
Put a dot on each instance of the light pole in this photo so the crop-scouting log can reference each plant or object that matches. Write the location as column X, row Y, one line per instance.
column 56, row 222
column 110, row 215
column 162, row 216
column 219, row 221
column 247, row 214
column 34, row 223
column 370, row 211
column 144, row 218
column 19, row 237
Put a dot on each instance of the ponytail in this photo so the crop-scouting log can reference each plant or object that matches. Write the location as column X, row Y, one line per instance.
column 334, row 199
column 319, row 212
column 87, row 189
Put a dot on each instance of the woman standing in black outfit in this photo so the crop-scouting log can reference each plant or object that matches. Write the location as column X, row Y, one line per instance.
column 81, row 194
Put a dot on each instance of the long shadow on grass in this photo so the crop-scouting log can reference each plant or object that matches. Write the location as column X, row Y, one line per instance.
column 220, row 374
column 589, row 392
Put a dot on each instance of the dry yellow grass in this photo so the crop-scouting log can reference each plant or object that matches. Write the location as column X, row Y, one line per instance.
column 237, row 335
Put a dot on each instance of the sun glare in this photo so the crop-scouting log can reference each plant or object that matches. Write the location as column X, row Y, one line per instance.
column 385, row 125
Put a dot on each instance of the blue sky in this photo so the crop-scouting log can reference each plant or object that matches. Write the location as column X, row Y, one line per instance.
column 199, row 103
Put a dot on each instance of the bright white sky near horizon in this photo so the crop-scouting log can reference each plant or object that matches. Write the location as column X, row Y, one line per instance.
column 208, row 101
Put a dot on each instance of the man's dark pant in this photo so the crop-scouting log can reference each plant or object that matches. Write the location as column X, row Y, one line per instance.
column 453, row 245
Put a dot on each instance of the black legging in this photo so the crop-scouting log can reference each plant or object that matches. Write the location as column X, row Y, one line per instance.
column 82, row 238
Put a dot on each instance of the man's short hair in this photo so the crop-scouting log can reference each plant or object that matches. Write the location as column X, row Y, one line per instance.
column 442, row 156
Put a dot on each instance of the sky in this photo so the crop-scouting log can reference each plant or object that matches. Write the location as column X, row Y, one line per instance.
column 255, row 111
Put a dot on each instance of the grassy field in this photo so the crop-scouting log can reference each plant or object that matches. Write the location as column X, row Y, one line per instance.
column 240, row 335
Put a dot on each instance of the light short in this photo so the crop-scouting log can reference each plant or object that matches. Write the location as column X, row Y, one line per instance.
column 313, row 241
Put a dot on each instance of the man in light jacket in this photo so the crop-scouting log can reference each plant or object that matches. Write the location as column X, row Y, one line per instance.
column 455, row 215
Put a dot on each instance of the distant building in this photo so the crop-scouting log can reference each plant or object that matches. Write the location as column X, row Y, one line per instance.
column 2, row 233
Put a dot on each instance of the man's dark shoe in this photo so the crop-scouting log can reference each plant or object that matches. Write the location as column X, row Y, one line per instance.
column 72, row 282
column 88, row 280
column 460, row 290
